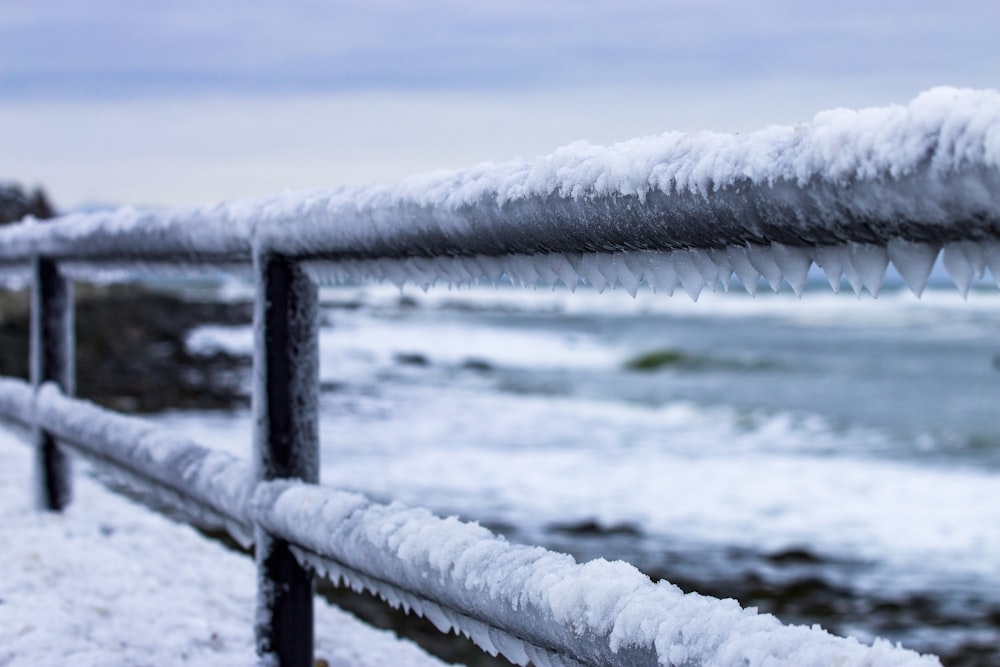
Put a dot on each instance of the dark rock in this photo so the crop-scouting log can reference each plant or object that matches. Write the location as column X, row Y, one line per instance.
column 412, row 359
column 592, row 527
column 794, row 555
column 16, row 203
column 131, row 352
column 478, row 365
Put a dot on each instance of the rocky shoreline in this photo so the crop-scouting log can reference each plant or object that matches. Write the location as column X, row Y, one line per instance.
column 131, row 349
column 131, row 340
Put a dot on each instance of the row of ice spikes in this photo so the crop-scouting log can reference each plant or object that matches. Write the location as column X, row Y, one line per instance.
column 863, row 265
column 491, row 639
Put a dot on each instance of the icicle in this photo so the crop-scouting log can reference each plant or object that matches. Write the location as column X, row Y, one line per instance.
column 545, row 268
column 479, row 633
column 436, row 615
column 624, row 276
column 370, row 267
column 335, row 273
column 521, row 269
column 661, row 274
column 564, row 269
column 691, row 279
column 743, row 269
column 437, row 267
column 708, row 269
column 606, row 265
column 959, row 267
column 421, row 271
column 975, row 255
column 491, row 267
column 831, row 258
column 913, row 261
column 391, row 596
column 794, row 263
column 723, row 265
column 870, row 261
column 451, row 270
column 412, row 602
column 591, row 272
column 638, row 264
column 762, row 259
column 991, row 251
column 473, row 269
column 851, row 272
column 512, row 648
column 539, row 657
column 361, row 270
column 461, row 271
column 394, row 272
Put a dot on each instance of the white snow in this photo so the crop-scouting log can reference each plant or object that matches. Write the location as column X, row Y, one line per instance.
column 108, row 583
column 834, row 191
column 599, row 612
column 455, row 572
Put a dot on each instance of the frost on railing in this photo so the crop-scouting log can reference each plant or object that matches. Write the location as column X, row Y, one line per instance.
column 693, row 270
column 212, row 486
column 848, row 191
column 531, row 604
column 526, row 603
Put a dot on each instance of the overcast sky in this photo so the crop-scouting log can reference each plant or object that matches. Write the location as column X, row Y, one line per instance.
column 192, row 101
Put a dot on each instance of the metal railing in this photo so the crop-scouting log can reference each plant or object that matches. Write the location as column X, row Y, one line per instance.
column 533, row 225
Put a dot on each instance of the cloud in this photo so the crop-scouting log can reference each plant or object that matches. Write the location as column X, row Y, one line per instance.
column 186, row 101
column 116, row 47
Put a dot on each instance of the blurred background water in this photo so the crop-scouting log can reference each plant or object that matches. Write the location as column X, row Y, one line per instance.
column 832, row 460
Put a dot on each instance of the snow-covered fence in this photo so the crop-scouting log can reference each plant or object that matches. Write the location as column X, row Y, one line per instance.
column 850, row 192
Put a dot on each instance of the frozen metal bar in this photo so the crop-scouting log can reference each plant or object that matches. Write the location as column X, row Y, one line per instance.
column 52, row 352
column 286, row 444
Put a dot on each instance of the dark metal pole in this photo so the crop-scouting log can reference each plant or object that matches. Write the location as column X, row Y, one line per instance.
column 52, row 352
column 286, row 444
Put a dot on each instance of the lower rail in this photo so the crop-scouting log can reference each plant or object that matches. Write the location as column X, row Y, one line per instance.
column 525, row 603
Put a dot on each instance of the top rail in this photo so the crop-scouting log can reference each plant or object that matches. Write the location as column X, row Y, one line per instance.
column 927, row 172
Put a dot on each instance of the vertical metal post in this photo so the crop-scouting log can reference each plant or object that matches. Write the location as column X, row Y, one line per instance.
column 286, row 444
column 52, row 352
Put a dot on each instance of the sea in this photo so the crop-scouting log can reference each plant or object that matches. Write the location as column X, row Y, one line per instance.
column 832, row 459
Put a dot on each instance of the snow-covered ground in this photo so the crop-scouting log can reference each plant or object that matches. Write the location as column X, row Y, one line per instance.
column 111, row 583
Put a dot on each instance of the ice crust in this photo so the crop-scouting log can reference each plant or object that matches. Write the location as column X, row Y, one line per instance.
column 212, row 486
column 848, row 191
column 524, row 602
column 106, row 583
column 547, row 607
column 693, row 270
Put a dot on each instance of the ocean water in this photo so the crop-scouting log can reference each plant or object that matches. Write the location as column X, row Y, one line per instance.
column 829, row 459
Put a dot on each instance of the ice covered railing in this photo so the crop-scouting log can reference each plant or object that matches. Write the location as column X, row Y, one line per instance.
column 525, row 603
column 849, row 191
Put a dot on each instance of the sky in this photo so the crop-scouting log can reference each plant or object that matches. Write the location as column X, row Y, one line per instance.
column 196, row 101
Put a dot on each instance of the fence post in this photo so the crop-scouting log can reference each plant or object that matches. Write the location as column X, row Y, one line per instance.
column 286, row 445
column 52, row 352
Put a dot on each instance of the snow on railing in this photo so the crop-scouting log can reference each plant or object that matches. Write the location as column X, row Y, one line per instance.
column 213, row 485
column 850, row 192
column 523, row 602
